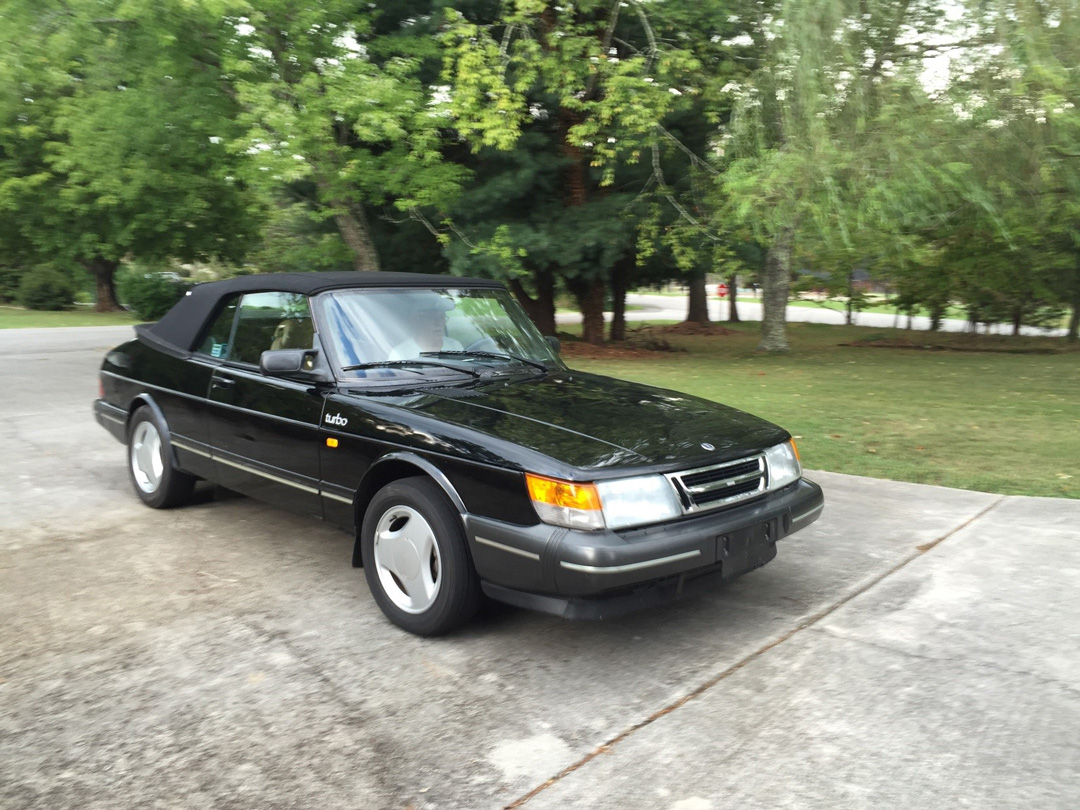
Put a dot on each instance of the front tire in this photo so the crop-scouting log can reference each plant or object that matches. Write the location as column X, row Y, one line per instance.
column 154, row 478
column 416, row 558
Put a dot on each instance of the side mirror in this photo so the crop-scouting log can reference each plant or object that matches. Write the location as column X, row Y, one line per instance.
column 292, row 364
column 553, row 342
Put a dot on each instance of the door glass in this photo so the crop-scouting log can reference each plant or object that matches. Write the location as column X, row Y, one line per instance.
column 271, row 320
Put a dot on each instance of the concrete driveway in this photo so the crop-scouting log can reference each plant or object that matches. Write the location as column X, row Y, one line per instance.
column 917, row 647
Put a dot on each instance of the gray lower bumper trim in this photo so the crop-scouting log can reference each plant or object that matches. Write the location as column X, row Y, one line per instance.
column 808, row 513
column 637, row 566
column 503, row 547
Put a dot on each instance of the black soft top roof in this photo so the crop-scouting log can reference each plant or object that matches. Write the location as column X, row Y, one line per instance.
column 180, row 327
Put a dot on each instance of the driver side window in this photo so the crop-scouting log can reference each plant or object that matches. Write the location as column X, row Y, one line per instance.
column 253, row 323
column 270, row 320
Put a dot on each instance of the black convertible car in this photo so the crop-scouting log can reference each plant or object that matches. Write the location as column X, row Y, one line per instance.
column 426, row 415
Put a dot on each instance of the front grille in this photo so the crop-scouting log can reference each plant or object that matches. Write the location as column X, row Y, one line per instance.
column 720, row 484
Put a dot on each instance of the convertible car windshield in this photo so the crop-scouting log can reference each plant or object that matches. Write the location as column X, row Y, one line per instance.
column 406, row 332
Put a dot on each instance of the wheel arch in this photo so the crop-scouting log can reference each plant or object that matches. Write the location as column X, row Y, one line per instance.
column 139, row 401
column 146, row 400
column 393, row 467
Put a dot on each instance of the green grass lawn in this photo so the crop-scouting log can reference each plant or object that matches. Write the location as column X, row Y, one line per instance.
column 19, row 318
column 997, row 422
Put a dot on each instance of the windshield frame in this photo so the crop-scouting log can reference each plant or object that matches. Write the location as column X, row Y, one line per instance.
column 433, row 375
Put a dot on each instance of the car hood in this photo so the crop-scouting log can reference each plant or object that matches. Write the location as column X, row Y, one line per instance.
column 592, row 422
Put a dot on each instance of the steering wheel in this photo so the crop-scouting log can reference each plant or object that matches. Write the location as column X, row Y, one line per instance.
column 484, row 344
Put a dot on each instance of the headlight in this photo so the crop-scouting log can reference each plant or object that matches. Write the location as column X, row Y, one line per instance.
column 634, row 501
column 615, row 504
column 783, row 462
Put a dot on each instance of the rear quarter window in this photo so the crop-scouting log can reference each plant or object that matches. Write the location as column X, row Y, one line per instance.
column 216, row 342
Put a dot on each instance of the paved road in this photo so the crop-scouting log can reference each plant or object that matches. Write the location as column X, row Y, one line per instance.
column 916, row 647
column 669, row 307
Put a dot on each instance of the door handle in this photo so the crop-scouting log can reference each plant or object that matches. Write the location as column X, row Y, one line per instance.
column 222, row 382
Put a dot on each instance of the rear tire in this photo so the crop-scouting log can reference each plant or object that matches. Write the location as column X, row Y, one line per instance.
column 416, row 558
column 150, row 463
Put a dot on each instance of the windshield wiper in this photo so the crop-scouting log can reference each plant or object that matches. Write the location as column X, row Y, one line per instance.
column 494, row 355
column 406, row 363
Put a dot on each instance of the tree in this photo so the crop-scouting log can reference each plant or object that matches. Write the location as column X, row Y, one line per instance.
column 112, row 131
column 809, row 147
column 574, row 75
column 339, row 105
column 1020, row 95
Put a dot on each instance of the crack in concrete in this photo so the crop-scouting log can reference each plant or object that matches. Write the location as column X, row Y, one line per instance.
column 716, row 679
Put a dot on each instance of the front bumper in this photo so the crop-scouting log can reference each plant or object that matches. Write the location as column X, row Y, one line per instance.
column 562, row 571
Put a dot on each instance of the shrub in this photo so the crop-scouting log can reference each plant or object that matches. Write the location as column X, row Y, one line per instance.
column 45, row 288
column 9, row 283
column 149, row 295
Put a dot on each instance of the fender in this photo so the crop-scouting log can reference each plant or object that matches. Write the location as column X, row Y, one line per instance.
column 370, row 484
column 438, row 475
column 145, row 399
column 140, row 400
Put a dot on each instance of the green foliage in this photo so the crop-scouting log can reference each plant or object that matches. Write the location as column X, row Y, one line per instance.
column 45, row 289
column 574, row 96
column 297, row 239
column 561, row 147
column 338, row 106
column 113, row 119
column 9, row 283
column 149, row 294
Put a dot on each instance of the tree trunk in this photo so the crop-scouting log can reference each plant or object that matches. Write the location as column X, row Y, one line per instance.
column 848, row 319
column 733, row 294
column 697, row 311
column 104, row 271
column 541, row 309
column 937, row 312
column 352, row 223
column 589, row 293
column 590, row 298
column 775, row 278
column 1017, row 319
column 353, row 226
column 620, row 277
column 1074, row 320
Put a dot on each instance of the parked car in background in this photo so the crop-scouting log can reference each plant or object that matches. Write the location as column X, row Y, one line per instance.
column 428, row 417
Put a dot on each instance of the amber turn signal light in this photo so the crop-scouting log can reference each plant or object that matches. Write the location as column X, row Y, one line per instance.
column 562, row 493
